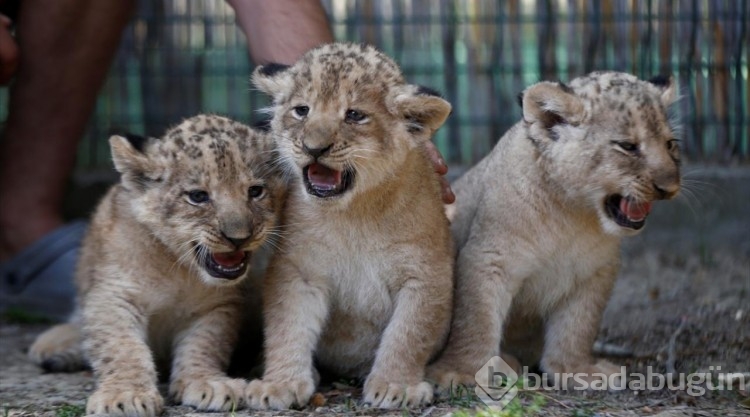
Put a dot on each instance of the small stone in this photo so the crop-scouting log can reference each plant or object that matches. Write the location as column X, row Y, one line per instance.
column 318, row 400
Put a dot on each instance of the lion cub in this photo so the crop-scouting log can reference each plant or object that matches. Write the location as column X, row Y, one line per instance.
column 161, row 267
column 538, row 222
column 362, row 282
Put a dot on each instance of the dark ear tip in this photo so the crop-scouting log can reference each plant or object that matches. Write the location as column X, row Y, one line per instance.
column 136, row 141
column 272, row 69
column 660, row 80
column 565, row 87
column 427, row 91
column 519, row 99
column 263, row 125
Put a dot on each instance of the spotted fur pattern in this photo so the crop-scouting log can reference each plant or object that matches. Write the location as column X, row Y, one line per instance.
column 362, row 282
column 538, row 243
column 145, row 291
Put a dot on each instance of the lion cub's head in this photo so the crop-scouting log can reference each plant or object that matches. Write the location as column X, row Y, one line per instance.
column 344, row 118
column 205, row 190
column 606, row 141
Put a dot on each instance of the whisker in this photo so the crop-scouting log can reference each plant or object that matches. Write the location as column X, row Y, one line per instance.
column 187, row 248
column 279, row 235
column 271, row 241
column 685, row 198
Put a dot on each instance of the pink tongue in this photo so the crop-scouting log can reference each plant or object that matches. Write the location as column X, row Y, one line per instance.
column 229, row 258
column 323, row 177
column 634, row 211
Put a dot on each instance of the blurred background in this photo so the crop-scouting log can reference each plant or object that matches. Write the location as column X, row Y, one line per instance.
column 181, row 57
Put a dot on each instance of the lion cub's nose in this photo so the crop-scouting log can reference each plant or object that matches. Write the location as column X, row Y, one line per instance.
column 666, row 191
column 238, row 242
column 316, row 152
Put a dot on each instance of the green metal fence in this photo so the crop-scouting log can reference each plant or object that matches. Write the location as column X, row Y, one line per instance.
column 181, row 57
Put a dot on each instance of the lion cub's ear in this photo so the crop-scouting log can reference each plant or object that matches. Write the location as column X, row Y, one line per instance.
column 274, row 80
column 422, row 107
column 129, row 154
column 668, row 89
column 550, row 104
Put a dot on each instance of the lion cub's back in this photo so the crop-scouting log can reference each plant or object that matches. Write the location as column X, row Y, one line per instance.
column 488, row 194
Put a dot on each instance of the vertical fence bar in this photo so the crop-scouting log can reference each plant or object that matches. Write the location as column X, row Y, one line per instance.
column 593, row 34
column 742, row 133
column 497, row 74
column 718, row 75
column 448, row 14
column 665, row 19
column 547, row 34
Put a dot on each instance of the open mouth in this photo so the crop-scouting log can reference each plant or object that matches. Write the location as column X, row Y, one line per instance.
column 226, row 265
column 325, row 182
column 627, row 212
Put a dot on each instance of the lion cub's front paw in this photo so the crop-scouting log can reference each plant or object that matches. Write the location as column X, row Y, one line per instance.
column 383, row 394
column 125, row 401
column 279, row 395
column 602, row 373
column 217, row 394
column 447, row 378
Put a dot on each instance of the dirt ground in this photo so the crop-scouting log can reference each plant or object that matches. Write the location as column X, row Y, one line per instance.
column 683, row 298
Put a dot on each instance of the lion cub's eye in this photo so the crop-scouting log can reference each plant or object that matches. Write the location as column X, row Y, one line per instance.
column 197, row 196
column 355, row 116
column 627, row 146
column 256, row 191
column 301, row 112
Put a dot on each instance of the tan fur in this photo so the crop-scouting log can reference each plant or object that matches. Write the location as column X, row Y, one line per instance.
column 144, row 290
column 537, row 252
column 362, row 281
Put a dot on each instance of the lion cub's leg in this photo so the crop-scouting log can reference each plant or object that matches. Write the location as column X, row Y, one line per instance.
column 201, row 357
column 420, row 319
column 115, row 329
column 294, row 312
column 484, row 292
column 572, row 328
column 59, row 349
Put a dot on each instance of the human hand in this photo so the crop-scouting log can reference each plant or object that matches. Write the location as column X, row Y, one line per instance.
column 9, row 54
column 438, row 163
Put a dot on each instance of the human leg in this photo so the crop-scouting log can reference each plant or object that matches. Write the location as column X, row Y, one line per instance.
column 280, row 31
column 66, row 50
